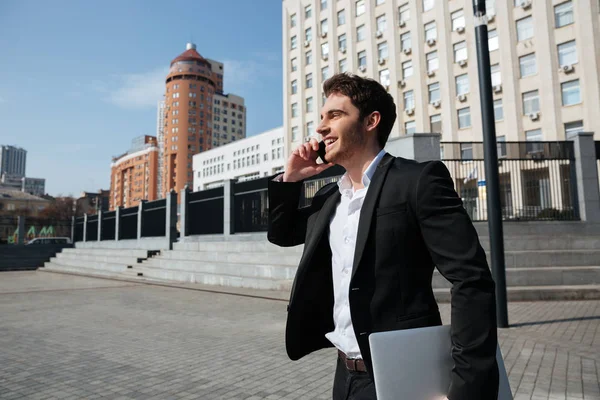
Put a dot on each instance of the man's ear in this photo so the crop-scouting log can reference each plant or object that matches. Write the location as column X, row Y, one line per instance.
column 372, row 121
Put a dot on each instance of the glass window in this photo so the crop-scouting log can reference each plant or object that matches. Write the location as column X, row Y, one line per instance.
column 343, row 65
column 309, row 81
column 464, row 118
column 293, row 42
column 572, row 128
column 407, row 69
column 409, row 100
column 308, row 34
column 531, row 102
column 462, row 84
column 325, row 73
column 324, row 50
column 435, row 122
column 384, row 77
column 323, row 4
column 496, row 76
column 527, row 65
column 534, row 135
column 434, row 92
column 428, row 5
column 498, row 110
column 360, row 33
column 310, row 130
column 410, row 127
column 360, row 7
column 342, row 41
column 309, row 104
column 493, row 43
column 567, row 53
column 294, row 86
column 570, row 93
column 525, row 28
column 404, row 13
column 430, row 31
column 501, row 146
column 382, row 50
column 432, row 61
column 381, row 23
column 563, row 14
column 405, row 41
column 341, row 17
column 490, row 7
column 293, row 20
column 362, row 58
column 379, row 2
column 324, row 27
column 458, row 19
column 460, row 51
column 294, row 64
column 466, row 150
column 309, row 57
column 308, row 11
column 294, row 110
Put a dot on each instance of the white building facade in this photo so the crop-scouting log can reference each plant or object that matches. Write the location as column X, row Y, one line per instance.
column 229, row 119
column 545, row 64
column 250, row 158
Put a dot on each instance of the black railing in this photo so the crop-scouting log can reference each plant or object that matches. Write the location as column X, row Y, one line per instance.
column 315, row 183
column 537, row 179
column 78, row 234
column 91, row 232
column 205, row 212
column 153, row 220
column 107, row 229
column 128, row 223
column 251, row 206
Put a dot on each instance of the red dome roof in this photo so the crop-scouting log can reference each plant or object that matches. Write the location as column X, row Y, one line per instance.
column 189, row 55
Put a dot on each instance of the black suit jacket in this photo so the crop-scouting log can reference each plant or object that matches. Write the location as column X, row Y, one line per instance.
column 411, row 221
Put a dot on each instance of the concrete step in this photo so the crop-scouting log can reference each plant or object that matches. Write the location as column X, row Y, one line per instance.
column 263, row 271
column 236, row 246
column 107, row 258
column 549, row 276
column 114, row 252
column 54, row 266
column 85, row 264
column 551, row 258
column 206, row 278
column 538, row 293
column 252, row 257
column 546, row 242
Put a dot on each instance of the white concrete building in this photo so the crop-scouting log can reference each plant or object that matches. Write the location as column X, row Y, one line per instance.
column 545, row 64
column 251, row 158
column 229, row 119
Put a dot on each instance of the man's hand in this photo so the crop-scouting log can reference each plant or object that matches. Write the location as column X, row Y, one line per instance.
column 302, row 163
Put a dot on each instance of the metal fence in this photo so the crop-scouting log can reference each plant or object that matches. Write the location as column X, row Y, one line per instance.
column 78, row 234
column 127, row 223
column 153, row 218
column 205, row 212
column 597, row 144
column 107, row 229
column 537, row 179
column 251, row 206
column 91, row 232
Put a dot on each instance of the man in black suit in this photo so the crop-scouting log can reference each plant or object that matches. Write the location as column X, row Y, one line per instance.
column 371, row 243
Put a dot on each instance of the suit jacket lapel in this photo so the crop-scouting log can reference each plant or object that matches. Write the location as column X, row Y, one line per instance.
column 321, row 223
column 368, row 208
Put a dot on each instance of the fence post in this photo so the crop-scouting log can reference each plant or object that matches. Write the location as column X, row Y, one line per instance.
column 140, row 217
column 21, row 224
column 85, row 227
column 99, row 225
column 73, row 229
column 171, row 218
column 184, row 215
column 588, row 194
column 228, row 208
column 117, row 221
column 419, row 147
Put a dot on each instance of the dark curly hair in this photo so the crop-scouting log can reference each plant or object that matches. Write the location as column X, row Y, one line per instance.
column 367, row 95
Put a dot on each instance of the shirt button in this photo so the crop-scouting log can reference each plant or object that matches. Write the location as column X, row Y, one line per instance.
column 346, row 240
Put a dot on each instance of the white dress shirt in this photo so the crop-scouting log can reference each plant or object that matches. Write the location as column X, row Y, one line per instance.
column 343, row 229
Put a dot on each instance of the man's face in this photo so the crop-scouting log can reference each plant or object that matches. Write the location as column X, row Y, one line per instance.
column 341, row 128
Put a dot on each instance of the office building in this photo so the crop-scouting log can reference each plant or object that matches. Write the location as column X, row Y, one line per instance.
column 13, row 161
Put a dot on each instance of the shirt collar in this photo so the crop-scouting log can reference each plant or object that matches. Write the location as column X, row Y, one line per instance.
column 345, row 184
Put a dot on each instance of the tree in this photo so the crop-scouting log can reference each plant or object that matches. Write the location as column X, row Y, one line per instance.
column 61, row 208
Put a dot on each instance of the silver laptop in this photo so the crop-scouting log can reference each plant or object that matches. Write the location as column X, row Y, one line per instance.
column 416, row 364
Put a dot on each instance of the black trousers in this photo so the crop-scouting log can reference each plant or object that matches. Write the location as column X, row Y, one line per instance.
column 352, row 385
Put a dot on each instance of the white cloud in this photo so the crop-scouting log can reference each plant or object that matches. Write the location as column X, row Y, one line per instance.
column 139, row 90
column 242, row 75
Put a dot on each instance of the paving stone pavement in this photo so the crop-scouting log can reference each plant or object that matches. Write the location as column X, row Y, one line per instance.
column 70, row 337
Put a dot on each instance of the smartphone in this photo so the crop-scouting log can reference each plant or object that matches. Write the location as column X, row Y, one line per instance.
column 321, row 152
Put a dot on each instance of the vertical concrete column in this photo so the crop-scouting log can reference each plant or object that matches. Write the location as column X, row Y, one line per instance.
column 85, row 227
column 117, row 221
column 171, row 218
column 140, row 218
column 588, row 195
column 21, row 235
column 99, row 225
column 184, row 215
column 73, row 229
column 419, row 147
column 228, row 208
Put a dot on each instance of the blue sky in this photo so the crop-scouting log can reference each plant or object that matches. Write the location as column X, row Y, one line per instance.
column 80, row 79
